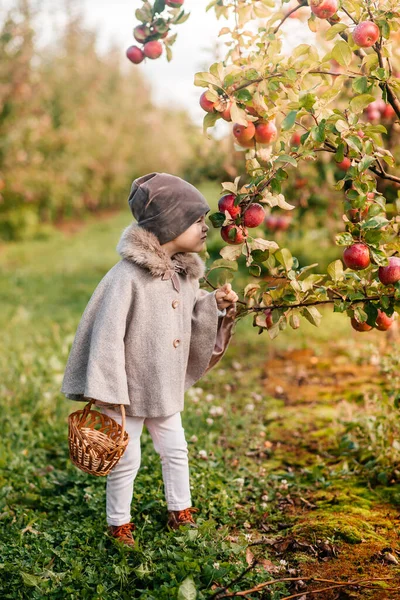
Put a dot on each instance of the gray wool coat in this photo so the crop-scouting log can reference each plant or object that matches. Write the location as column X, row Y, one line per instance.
column 148, row 332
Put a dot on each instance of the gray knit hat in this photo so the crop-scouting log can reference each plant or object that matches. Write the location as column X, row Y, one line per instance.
column 165, row 204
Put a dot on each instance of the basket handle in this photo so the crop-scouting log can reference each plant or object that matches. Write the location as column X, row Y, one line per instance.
column 89, row 406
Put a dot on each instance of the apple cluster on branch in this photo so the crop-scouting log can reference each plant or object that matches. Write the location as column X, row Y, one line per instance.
column 154, row 29
column 283, row 112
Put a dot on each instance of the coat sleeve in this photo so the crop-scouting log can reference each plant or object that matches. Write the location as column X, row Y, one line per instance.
column 210, row 335
column 96, row 363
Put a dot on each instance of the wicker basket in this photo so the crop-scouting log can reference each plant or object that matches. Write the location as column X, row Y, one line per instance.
column 96, row 441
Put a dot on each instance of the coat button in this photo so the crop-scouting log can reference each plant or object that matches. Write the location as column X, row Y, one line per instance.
column 175, row 303
column 176, row 343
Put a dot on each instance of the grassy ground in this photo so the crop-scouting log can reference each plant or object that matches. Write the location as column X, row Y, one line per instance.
column 275, row 469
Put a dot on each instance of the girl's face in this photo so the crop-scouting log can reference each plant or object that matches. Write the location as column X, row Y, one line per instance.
column 191, row 240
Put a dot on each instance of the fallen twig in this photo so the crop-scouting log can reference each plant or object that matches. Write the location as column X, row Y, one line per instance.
column 336, row 584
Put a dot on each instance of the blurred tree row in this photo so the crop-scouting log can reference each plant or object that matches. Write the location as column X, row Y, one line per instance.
column 76, row 129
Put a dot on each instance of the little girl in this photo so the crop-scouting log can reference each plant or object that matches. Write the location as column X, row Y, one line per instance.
column 147, row 334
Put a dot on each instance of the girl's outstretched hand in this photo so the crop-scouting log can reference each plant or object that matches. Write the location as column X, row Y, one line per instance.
column 225, row 296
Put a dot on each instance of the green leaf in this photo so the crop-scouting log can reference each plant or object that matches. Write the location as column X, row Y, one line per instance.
column 204, row 79
column 344, row 239
column 187, row 590
column 334, row 30
column 30, row 580
column 159, row 6
column 360, row 85
column 168, row 53
column 307, row 101
column 375, row 223
column 181, row 18
column 342, row 53
column 210, row 120
column 243, row 95
column 365, row 163
column 358, row 103
column 378, row 257
column 285, row 257
column 231, row 252
column 335, row 270
column 255, row 270
column 217, row 219
column 289, row 120
column 312, row 314
column 286, row 159
column 318, row 132
column 220, row 263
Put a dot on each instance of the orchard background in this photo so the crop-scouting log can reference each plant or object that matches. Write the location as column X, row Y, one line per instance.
column 294, row 439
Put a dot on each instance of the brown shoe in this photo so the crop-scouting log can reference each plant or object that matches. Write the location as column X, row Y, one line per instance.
column 177, row 518
column 123, row 533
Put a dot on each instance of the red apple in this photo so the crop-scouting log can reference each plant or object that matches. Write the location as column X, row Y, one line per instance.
column 271, row 222
column 252, row 111
column 366, row 34
column 388, row 112
column 135, row 54
column 373, row 116
column 295, row 139
column 282, row 223
column 344, row 164
column 356, row 256
column 300, row 182
column 174, row 3
column 266, row 132
column 152, row 49
column 360, row 326
column 226, row 114
column 383, row 321
column 248, row 144
column 390, row 273
column 254, row 215
column 141, row 33
column 227, row 203
column 323, row 9
column 268, row 321
column 242, row 133
column 356, row 214
column 206, row 104
column 360, row 134
column 239, row 236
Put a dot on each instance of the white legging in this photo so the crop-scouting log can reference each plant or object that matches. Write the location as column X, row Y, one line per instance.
column 169, row 442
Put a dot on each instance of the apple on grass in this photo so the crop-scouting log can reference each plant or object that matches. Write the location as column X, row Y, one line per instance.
column 254, row 215
column 366, row 34
column 390, row 273
column 135, row 54
column 227, row 203
column 239, row 237
column 356, row 256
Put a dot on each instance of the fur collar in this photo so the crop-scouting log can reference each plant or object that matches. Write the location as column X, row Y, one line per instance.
column 143, row 248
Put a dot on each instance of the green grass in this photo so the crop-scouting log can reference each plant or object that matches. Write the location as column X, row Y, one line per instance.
column 53, row 542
